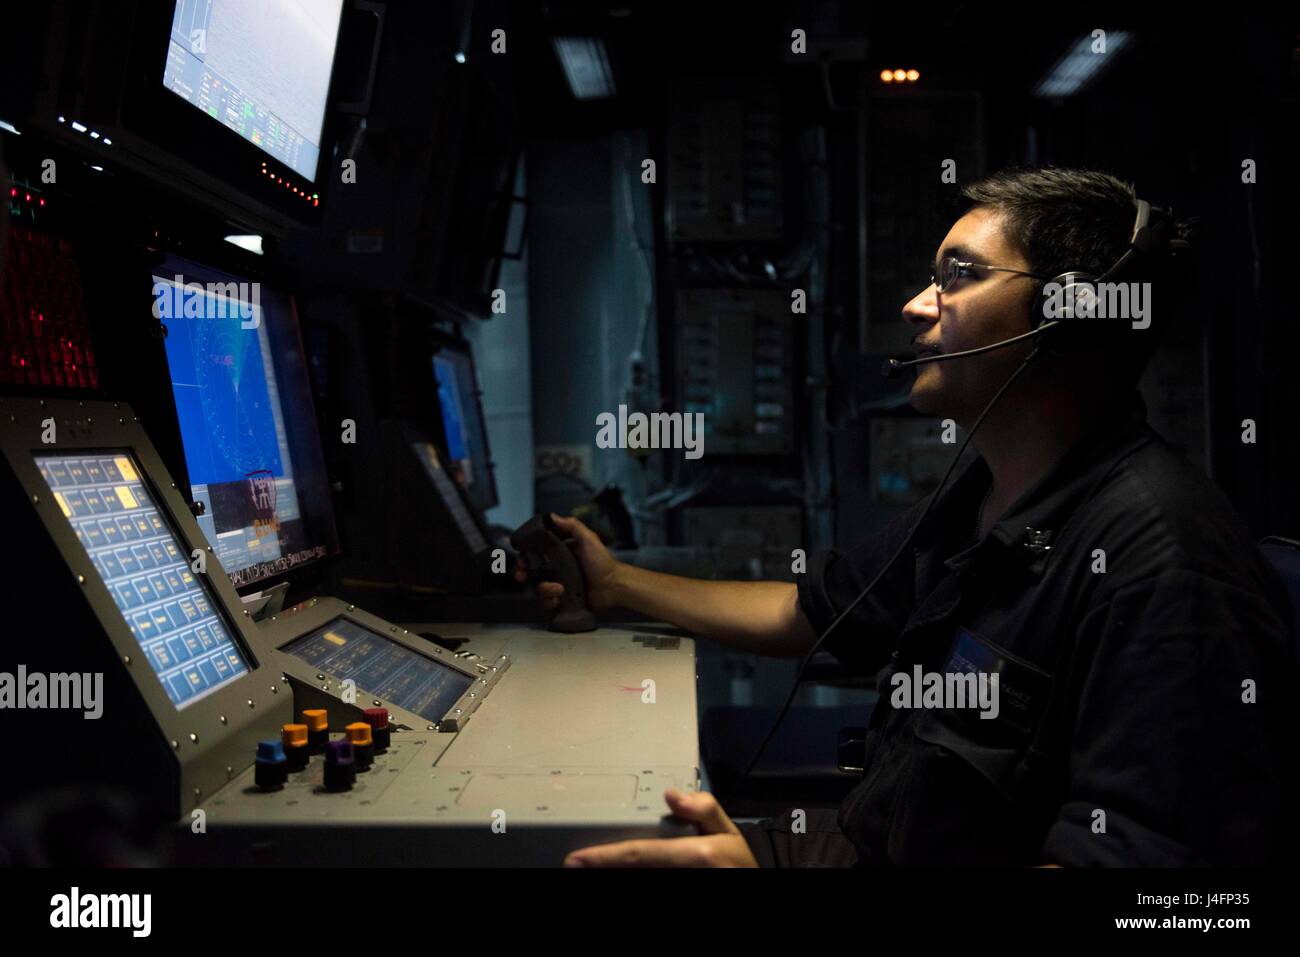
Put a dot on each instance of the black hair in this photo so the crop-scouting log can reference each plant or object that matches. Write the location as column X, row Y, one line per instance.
column 1081, row 220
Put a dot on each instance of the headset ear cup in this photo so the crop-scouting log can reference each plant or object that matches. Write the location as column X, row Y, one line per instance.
column 1057, row 301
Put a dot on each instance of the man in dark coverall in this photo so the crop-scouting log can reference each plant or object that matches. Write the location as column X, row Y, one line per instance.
column 1141, row 644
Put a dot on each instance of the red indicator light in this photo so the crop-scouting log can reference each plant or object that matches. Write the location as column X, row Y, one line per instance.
column 42, row 200
column 29, row 197
column 13, row 191
column 315, row 202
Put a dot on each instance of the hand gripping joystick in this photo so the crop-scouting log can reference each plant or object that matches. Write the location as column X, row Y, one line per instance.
column 549, row 558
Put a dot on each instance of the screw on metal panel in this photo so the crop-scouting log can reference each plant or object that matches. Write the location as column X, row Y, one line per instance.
column 176, row 744
column 275, row 689
column 81, row 579
column 230, row 772
column 431, row 728
column 350, row 607
column 194, row 737
column 250, row 703
column 457, row 711
column 222, row 719
column 35, row 499
column 274, row 618
column 246, row 613
column 126, row 660
column 197, row 792
column 375, row 702
column 320, row 677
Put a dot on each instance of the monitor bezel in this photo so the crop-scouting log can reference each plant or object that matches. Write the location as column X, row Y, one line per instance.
column 250, row 662
column 203, row 272
column 313, row 614
column 206, row 144
column 217, row 730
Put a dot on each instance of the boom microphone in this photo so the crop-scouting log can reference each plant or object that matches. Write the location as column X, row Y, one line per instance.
column 894, row 368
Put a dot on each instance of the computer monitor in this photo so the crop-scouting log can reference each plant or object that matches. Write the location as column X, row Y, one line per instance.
column 136, row 551
column 260, row 67
column 468, row 456
column 247, row 421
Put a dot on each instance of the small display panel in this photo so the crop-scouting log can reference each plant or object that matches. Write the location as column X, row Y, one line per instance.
column 146, row 569
column 383, row 668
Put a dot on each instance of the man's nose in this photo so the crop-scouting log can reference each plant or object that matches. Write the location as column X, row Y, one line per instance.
column 923, row 308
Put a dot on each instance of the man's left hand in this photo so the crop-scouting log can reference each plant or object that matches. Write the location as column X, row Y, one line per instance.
column 720, row 843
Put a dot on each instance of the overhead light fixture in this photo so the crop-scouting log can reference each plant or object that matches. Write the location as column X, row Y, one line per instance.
column 250, row 241
column 899, row 76
column 460, row 56
column 586, row 67
column 79, row 127
column 1080, row 66
column 9, row 127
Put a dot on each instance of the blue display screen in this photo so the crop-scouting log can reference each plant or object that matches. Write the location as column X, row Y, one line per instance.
column 146, row 570
column 259, row 67
column 453, row 416
column 382, row 668
column 265, row 498
column 463, row 425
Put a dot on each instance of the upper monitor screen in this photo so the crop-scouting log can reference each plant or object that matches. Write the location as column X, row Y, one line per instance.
column 260, row 67
column 462, row 423
column 247, row 420
column 147, row 571
column 382, row 667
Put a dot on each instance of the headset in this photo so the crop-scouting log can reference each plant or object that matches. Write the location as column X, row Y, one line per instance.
column 1154, row 235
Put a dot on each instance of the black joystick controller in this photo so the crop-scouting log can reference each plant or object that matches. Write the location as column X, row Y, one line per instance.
column 550, row 558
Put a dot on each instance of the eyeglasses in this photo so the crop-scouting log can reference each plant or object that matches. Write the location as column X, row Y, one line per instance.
column 951, row 269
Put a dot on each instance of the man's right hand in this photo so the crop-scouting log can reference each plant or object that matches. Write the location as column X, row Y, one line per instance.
column 600, row 567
